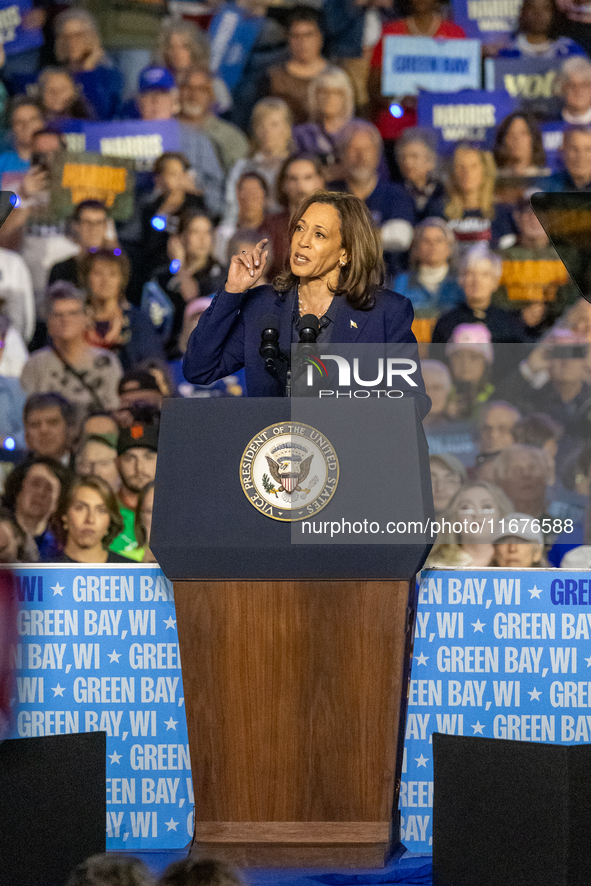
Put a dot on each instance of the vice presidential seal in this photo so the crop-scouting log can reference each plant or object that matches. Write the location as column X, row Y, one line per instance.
column 289, row 471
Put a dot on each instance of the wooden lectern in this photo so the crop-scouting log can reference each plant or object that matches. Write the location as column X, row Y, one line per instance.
column 295, row 656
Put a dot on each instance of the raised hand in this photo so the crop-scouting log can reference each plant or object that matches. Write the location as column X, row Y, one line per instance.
column 247, row 268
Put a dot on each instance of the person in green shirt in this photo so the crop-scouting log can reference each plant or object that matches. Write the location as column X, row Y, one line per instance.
column 137, row 452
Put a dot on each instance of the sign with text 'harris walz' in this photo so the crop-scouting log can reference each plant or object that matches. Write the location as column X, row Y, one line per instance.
column 531, row 81
column 91, row 176
column 139, row 140
column 505, row 654
column 413, row 63
column 97, row 650
column 490, row 21
column 469, row 115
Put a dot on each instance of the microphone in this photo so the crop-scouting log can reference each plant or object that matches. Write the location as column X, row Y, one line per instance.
column 269, row 349
column 309, row 329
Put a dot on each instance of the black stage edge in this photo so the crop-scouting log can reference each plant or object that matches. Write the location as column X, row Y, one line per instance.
column 52, row 806
column 510, row 812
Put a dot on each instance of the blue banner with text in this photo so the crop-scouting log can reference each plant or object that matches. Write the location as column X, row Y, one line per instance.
column 97, row 650
column 232, row 33
column 492, row 21
column 499, row 653
column 413, row 63
column 470, row 115
column 15, row 35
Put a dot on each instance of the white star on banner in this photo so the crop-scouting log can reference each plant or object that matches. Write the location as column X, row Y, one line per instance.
column 588, row 660
column 170, row 724
column 57, row 588
column 422, row 761
column 535, row 694
column 114, row 656
column 114, row 757
column 172, row 824
column 422, row 659
column 58, row 690
column 478, row 727
column 169, row 622
column 478, row 625
column 535, row 591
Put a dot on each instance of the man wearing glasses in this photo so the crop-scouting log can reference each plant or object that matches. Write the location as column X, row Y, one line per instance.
column 90, row 229
column 84, row 375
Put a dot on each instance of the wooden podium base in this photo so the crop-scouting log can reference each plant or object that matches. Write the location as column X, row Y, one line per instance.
column 293, row 693
column 293, row 843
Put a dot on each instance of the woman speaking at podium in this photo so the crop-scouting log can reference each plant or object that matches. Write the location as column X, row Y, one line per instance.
column 335, row 271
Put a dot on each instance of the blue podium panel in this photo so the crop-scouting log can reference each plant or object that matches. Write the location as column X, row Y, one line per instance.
column 500, row 653
column 97, row 650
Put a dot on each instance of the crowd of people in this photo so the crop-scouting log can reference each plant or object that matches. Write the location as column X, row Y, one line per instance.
column 113, row 869
column 96, row 313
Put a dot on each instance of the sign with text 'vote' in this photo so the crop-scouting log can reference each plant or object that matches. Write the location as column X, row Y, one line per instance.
column 500, row 653
column 97, row 650
column 531, row 81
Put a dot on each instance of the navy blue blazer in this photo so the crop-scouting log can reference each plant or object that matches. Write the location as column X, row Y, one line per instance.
column 228, row 336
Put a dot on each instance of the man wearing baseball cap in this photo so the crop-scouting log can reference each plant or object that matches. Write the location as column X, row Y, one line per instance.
column 157, row 99
column 137, row 452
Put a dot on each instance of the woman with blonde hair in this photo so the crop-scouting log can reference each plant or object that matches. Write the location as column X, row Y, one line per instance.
column 469, row 525
column 332, row 106
column 78, row 48
column 271, row 145
column 470, row 209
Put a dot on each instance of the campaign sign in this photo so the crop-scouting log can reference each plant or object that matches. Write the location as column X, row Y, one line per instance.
column 413, row 63
column 552, row 135
column 487, row 20
column 97, row 650
column 89, row 176
column 470, row 115
column 139, row 140
column 500, row 653
column 232, row 34
column 73, row 132
column 13, row 36
column 458, row 438
column 531, row 81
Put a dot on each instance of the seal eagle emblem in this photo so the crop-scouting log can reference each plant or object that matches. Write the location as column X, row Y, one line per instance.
column 289, row 471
